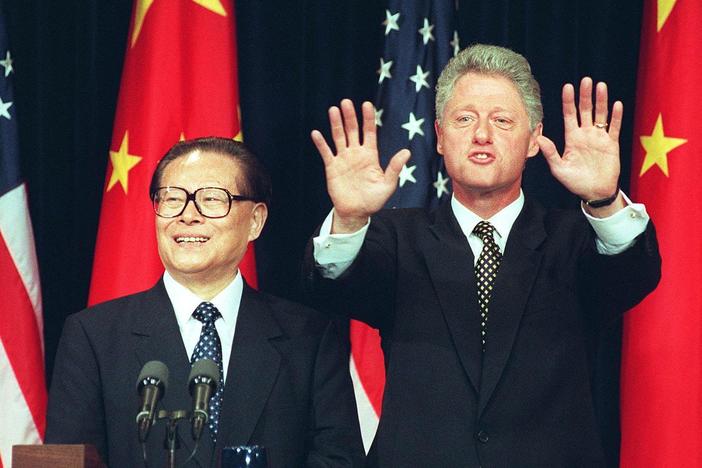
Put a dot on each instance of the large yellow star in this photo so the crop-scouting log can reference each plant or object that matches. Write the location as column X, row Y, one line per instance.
column 142, row 8
column 657, row 147
column 122, row 163
column 663, row 11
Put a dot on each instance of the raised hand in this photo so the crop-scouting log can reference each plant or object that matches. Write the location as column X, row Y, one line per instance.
column 590, row 163
column 357, row 185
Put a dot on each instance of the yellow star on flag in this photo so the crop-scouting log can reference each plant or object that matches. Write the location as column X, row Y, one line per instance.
column 142, row 8
column 664, row 7
column 657, row 147
column 122, row 163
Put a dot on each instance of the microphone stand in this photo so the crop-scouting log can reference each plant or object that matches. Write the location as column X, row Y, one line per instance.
column 171, row 443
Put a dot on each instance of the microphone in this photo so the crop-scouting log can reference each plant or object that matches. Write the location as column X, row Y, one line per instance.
column 203, row 383
column 151, row 386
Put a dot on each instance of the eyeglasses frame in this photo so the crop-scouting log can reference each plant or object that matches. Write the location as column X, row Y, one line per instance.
column 191, row 197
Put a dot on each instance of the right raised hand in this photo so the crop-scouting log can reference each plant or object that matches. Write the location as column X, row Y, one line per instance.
column 357, row 185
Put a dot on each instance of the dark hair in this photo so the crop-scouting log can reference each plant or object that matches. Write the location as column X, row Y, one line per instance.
column 255, row 183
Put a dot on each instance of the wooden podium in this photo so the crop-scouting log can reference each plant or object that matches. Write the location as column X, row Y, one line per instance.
column 55, row 456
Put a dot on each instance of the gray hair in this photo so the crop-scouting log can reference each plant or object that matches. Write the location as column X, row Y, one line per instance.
column 491, row 60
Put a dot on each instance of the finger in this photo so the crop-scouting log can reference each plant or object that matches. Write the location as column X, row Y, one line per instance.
column 615, row 125
column 350, row 122
column 322, row 147
column 369, row 128
column 392, row 172
column 570, row 116
column 585, row 102
column 337, row 128
column 601, row 103
column 548, row 149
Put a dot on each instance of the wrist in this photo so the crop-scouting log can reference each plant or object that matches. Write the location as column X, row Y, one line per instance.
column 607, row 210
column 602, row 202
column 347, row 224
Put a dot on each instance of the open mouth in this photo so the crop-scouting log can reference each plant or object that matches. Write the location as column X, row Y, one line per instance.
column 480, row 157
column 191, row 240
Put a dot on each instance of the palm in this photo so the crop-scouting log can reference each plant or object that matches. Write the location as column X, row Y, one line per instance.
column 356, row 182
column 357, row 185
column 590, row 164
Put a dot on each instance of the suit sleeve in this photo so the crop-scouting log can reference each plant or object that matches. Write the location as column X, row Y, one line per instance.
column 335, row 438
column 365, row 291
column 616, row 283
column 75, row 411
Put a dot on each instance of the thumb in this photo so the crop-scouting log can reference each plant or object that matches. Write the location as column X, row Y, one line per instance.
column 548, row 148
column 392, row 172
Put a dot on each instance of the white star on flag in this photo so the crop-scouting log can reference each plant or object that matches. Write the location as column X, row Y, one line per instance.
column 420, row 79
column 406, row 175
column 379, row 117
column 4, row 106
column 384, row 70
column 7, row 63
column 413, row 126
column 440, row 184
column 390, row 22
column 425, row 31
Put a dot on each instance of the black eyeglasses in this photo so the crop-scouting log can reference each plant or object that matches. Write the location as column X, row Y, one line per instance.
column 210, row 202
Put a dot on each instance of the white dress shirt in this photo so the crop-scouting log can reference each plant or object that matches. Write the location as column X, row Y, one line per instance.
column 184, row 304
column 334, row 253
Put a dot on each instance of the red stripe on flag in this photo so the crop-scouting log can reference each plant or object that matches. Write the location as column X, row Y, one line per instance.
column 20, row 337
column 368, row 356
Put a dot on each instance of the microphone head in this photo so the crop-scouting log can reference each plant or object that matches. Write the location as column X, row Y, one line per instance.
column 153, row 373
column 204, row 371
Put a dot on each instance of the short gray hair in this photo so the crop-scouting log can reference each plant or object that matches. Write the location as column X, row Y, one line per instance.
column 488, row 59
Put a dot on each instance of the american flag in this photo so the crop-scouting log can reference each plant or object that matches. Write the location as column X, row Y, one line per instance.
column 420, row 38
column 22, row 387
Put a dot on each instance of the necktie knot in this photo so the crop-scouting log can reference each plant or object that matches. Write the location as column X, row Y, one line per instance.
column 484, row 231
column 206, row 313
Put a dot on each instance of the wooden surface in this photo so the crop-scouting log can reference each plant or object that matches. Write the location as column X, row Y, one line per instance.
column 55, row 456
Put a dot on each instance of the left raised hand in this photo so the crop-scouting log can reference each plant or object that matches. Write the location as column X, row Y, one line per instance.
column 590, row 165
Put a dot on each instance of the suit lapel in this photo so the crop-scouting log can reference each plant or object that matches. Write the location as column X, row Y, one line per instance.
column 159, row 338
column 253, row 367
column 518, row 269
column 450, row 264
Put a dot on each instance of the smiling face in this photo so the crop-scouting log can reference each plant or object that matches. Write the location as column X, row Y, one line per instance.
column 485, row 139
column 202, row 252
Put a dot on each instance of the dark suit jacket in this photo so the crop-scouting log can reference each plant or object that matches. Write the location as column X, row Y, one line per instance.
column 527, row 401
column 287, row 388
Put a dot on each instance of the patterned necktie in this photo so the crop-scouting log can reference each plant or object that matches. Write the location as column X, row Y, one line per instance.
column 485, row 272
column 210, row 347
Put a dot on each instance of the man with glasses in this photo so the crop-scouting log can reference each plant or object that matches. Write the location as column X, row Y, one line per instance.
column 285, row 381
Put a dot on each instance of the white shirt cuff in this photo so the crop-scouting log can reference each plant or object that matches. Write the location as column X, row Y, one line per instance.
column 334, row 253
column 616, row 233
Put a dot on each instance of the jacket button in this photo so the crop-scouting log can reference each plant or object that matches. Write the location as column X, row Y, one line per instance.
column 482, row 436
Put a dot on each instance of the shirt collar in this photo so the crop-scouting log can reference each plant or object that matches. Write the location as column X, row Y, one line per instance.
column 184, row 301
column 502, row 220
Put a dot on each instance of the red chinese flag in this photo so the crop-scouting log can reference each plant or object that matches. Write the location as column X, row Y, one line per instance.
column 179, row 81
column 661, row 394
